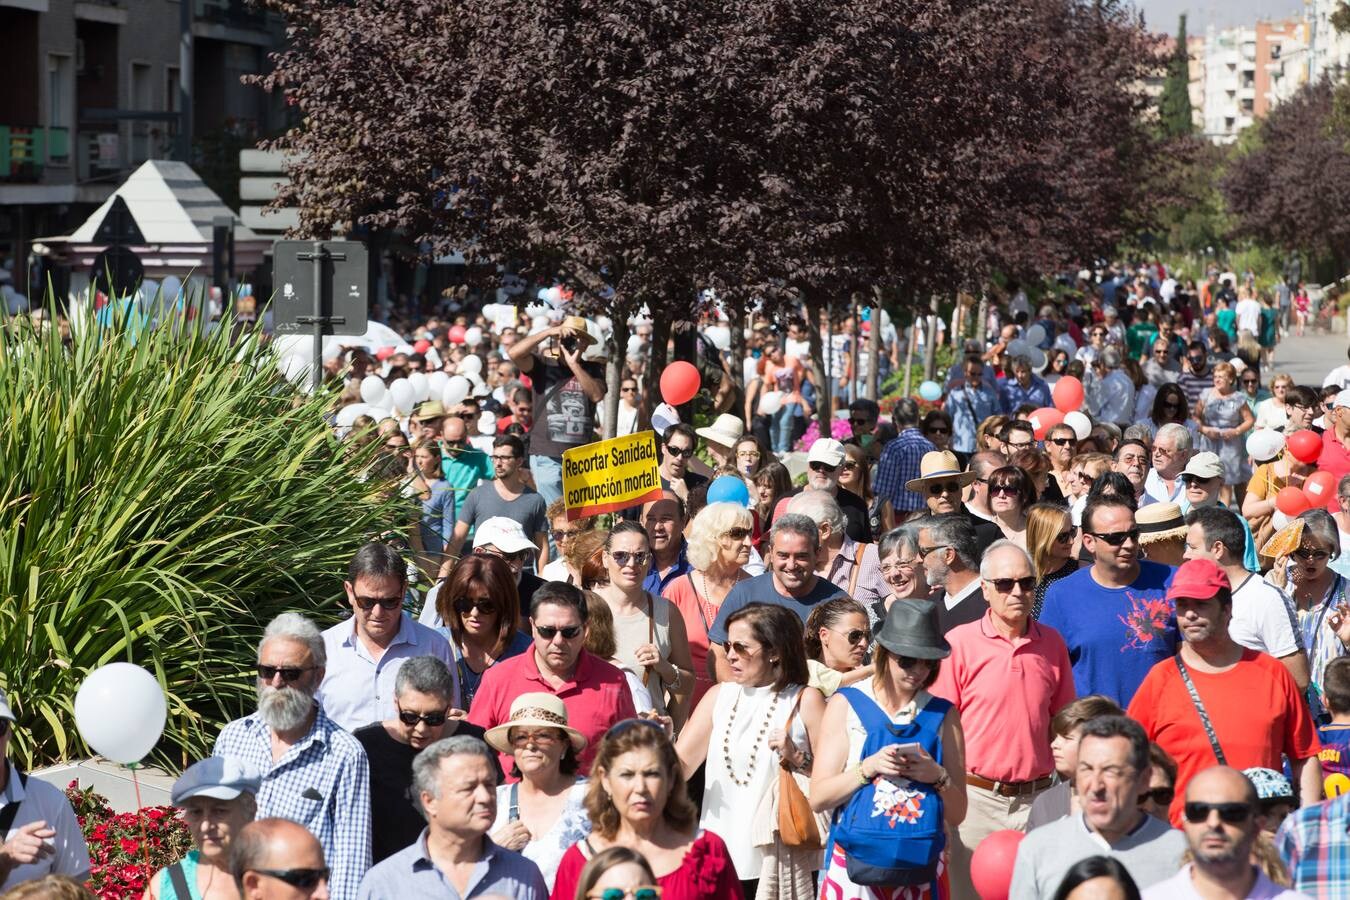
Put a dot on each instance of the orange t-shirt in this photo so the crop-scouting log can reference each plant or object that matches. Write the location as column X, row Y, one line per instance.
column 1255, row 708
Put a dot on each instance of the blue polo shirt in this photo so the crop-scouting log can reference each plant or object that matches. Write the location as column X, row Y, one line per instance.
column 656, row 581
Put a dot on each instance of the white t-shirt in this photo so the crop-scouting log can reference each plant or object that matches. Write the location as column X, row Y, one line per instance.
column 1263, row 618
column 1339, row 376
column 43, row 802
column 1249, row 316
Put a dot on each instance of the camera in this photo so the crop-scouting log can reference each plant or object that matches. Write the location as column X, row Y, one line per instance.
column 569, row 344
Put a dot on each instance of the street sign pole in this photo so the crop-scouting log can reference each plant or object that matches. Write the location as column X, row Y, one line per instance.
column 319, row 256
column 334, row 272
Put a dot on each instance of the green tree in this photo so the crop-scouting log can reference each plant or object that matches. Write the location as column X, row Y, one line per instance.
column 1174, row 105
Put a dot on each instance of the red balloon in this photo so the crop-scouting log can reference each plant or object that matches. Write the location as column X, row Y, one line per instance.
column 679, row 383
column 456, row 334
column 422, row 346
column 384, row 353
column 1068, row 394
column 1320, row 489
column 1044, row 419
column 1291, row 501
column 1306, row 445
column 991, row 866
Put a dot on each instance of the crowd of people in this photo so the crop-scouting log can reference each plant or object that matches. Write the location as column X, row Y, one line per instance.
column 815, row 666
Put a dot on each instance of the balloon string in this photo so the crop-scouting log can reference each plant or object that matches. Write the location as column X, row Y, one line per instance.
column 140, row 818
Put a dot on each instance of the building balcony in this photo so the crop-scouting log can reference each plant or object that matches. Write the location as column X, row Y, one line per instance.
column 230, row 14
column 25, row 151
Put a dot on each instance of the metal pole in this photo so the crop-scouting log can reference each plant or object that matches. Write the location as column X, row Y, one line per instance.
column 185, row 10
column 318, row 257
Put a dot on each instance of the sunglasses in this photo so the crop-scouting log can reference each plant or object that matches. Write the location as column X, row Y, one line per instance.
column 944, row 487
column 740, row 649
column 825, row 468
column 1159, row 795
column 464, row 605
column 304, row 879
column 1003, row 489
column 1062, row 442
column 925, row 551
column 559, row 536
column 1250, row 382
column 853, row 421
column 288, row 673
column 939, row 431
column 1064, row 537
column 1005, row 585
column 737, row 534
column 1116, row 538
column 1192, row 480
column 645, row 892
column 854, row 638
column 1308, row 555
column 369, row 603
column 638, row 558
column 520, row 557
column 410, row 718
column 849, row 466
column 910, row 662
column 549, row 632
column 681, row 452
column 1229, row 813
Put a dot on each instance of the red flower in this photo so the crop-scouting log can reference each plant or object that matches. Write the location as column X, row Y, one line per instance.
column 129, row 847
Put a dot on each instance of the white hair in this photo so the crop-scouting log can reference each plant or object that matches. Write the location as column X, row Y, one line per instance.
column 986, row 563
column 820, row 507
column 295, row 627
column 1180, row 435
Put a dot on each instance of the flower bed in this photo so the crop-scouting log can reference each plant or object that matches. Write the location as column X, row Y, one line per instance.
column 118, row 843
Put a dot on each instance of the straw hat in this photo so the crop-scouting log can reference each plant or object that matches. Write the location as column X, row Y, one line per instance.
column 939, row 465
column 538, row 710
column 578, row 326
column 1160, row 522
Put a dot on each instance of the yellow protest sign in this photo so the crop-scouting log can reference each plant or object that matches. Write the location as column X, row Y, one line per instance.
column 607, row 476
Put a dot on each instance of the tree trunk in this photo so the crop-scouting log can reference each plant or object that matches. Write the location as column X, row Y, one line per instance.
column 660, row 356
column 614, row 366
column 813, row 310
column 910, row 341
column 853, row 349
column 982, row 319
column 874, row 348
column 930, row 339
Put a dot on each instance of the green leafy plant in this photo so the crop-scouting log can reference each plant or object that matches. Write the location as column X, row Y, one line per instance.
column 163, row 494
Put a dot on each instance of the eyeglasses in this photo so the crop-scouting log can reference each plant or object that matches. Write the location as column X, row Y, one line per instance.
column 681, row 452
column 645, row 892
column 519, row 558
column 1062, row 442
column 825, row 468
column 925, row 551
column 1116, row 538
column 903, row 565
column 849, row 466
column 854, row 637
column 549, row 632
column 1250, row 382
column 1229, row 813
column 1307, row 554
column 944, row 487
column 560, row 535
column 1018, row 445
column 1159, row 795
column 740, row 649
column 737, row 534
column 909, row 662
column 543, row 736
column 853, row 421
column 304, row 879
column 637, row 558
column 369, row 603
column 747, row 454
column 628, row 390
column 288, row 673
column 1005, row 585
column 502, row 459
column 410, row 718
column 483, row 605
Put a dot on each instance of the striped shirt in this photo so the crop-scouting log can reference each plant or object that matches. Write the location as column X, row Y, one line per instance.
column 323, row 783
column 1314, row 843
column 899, row 464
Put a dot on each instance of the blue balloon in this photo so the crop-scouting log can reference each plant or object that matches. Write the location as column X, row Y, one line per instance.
column 729, row 489
column 930, row 391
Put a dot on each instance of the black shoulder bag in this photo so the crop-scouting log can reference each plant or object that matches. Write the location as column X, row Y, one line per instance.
column 1200, row 708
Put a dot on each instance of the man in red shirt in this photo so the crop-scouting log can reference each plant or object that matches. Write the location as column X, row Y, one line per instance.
column 595, row 693
column 1253, row 706
column 1007, row 675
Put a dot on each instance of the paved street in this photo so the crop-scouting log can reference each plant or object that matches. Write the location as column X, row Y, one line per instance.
column 1309, row 358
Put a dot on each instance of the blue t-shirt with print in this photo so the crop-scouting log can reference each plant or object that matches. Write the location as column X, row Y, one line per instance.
column 1114, row 635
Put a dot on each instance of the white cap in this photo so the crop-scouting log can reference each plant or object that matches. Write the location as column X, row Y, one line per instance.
column 827, row 451
column 505, row 534
column 1205, row 464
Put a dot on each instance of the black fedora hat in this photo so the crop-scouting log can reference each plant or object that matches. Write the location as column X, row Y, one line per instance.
column 911, row 629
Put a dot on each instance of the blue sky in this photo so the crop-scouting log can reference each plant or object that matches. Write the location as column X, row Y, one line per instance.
column 1161, row 15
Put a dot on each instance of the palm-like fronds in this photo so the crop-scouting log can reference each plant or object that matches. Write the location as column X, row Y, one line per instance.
column 163, row 494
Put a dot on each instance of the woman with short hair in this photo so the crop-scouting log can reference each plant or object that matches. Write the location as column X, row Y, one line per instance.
column 1011, row 491
column 901, row 569
column 218, row 798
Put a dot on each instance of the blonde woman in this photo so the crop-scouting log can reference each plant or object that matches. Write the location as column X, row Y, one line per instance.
column 1051, row 540
column 1271, row 412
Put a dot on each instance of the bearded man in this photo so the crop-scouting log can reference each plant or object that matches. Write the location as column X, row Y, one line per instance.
column 314, row 773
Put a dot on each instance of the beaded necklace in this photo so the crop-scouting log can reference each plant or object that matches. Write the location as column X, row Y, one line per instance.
column 759, row 740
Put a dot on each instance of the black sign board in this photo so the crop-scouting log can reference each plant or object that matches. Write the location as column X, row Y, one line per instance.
column 117, row 271
column 332, row 272
column 118, row 226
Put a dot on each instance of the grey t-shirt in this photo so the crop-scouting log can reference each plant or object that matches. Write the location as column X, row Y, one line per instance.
column 761, row 589
column 1151, row 853
column 484, row 502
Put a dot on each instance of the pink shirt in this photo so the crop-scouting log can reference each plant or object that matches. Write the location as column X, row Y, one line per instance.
column 596, row 698
column 1007, row 692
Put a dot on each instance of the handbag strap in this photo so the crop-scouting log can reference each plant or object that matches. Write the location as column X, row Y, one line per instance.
column 513, row 811
column 11, row 809
column 1200, row 708
column 178, row 878
column 858, row 549
column 787, row 725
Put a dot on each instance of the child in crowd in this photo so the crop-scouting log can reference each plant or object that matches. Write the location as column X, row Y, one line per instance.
column 1335, row 736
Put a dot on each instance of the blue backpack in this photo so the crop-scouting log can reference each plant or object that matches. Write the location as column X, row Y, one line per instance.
column 893, row 831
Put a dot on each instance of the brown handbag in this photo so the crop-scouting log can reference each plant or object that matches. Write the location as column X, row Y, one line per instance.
column 796, row 820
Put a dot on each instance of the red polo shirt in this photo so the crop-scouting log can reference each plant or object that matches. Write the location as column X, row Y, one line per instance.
column 596, row 698
column 1335, row 458
column 1007, row 691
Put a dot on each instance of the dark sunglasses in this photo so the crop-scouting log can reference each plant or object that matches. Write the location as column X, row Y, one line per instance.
column 560, row 536
column 1229, row 813
column 548, row 632
column 1196, row 479
column 1003, row 489
column 1063, row 442
column 1197, row 360
column 1065, row 537
column 737, row 534
column 463, row 606
column 369, row 603
column 738, row 647
column 304, row 879
column 410, row 718
column 1308, row 555
column 1250, row 382
column 682, row 453
column 855, row 637
column 1116, row 538
column 646, row 892
column 939, row 430
column 1159, row 795
column 288, row 673
column 944, row 487
column 853, row 421
column 638, row 558
column 1005, row 585
column 826, row 468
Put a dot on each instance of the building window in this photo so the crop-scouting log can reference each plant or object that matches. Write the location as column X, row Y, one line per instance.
column 142, row 132
column 60, row 105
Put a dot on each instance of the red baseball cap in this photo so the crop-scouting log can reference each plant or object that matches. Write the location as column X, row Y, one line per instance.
column 1198, row 579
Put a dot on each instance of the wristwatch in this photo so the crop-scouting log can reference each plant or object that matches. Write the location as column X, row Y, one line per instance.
column 943, row 782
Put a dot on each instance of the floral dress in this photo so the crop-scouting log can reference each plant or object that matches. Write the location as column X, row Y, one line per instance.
column 1226, row 412
column 547, row 850
column 1320, row 642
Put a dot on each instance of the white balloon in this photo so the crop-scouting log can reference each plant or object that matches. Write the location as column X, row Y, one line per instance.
column 554, row 295
column 473, row 336
column 770, row 403
column 471, row 365
column 719, row 335
column 456, row 389
column 347, row 416
column 120, row 712
column 295, row 368
column 373, row 390
column 401, row 392
column 421, row 388
column 1035, row 334
column 436, row 382
column 1081, row 424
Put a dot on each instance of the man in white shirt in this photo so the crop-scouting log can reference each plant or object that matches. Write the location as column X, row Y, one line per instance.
column 1172, row 447
column 1117, row 390
column 1249, row 314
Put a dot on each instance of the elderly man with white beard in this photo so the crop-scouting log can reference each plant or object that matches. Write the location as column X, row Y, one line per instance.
column 314, row 773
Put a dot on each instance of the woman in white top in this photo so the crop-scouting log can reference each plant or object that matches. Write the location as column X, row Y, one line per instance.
column 543, row 813
column 648, row 629
column 1271, row 412
column 741, row 730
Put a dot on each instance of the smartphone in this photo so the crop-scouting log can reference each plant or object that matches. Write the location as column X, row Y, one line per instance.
column 911, row 750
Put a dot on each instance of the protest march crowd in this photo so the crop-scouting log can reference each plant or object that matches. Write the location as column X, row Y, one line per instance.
column 1071, row 622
